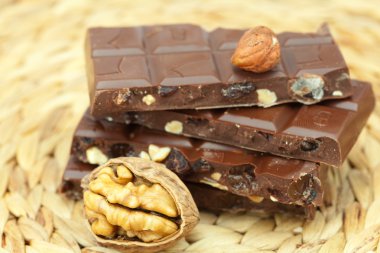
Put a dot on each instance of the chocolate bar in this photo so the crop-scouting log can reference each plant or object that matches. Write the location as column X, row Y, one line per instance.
column 240, row 171
column 320, row 133
column 206, row 197
column 182, row 66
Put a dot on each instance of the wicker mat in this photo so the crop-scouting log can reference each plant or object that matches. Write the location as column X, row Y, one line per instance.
column 43, row 94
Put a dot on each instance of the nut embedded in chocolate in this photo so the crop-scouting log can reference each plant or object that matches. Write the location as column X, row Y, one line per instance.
column 258, row 50
column 135, row 205
column 307, row 88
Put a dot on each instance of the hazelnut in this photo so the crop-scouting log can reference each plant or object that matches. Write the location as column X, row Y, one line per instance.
column 266, row 97
column 214, row 184
column 256, row 199
column 258, row 50
column 158, row 154
column 135, row 205
column 148, row 99
column 216, row 176
column 337, row 93
column 174, row 127
column 95, row 156
column 144, row 155
column 274, row 199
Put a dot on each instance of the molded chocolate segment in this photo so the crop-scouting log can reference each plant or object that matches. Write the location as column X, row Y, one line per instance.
column 128, row 63
column 322, row 133
column 240, row 171
column 206, row 197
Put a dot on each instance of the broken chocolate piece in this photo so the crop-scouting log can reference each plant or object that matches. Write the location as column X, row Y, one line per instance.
column 206, row 197
column 320, row 133
column 242, row 172
column 166, row 67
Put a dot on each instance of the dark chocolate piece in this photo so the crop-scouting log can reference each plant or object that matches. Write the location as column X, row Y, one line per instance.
column 184, row 67
column 320, row 133
column 206, row 197
column 242, row 172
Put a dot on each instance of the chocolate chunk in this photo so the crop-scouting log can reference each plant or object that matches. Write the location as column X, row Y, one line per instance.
column 206, row 197
column 184, row 67
column 236, row 170
column 320, row 133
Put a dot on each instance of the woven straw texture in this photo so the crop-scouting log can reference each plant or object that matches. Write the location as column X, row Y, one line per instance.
column 43, row 95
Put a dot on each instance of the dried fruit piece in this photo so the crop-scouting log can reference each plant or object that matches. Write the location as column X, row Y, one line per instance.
column 238, row 90
column 258, row 50
column 165, row 91
column 135, row 205
column 307, row 88
column 177, row 163
column 310, row 145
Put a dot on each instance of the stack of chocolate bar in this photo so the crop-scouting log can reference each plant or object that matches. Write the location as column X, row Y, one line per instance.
column 173, row 86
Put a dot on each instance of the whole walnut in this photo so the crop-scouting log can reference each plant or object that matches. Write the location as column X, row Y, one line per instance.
column 258, row 50
column 135, row 205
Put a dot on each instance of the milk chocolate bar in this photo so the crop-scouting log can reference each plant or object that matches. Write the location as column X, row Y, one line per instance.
column 182, row 66
column 322, row 133
column 242, row 172
column 206, row 197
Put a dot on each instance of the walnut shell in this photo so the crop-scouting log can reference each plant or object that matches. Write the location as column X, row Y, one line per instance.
column 258, row 50
column 154, row 173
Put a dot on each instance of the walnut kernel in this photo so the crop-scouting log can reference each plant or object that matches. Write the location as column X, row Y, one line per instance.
column 258, row 50
column 96, row 156
column 266, row 97
column 174, row 127
column 135, row 205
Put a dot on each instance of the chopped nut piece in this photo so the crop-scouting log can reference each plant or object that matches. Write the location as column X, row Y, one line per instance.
column 337, row 93
column 273, row 199
column 96, row 156
column 148, row 99
column 266, row 97
column 214, row 184
column 256, row 199
column 308, row 88
column 216, row 176
column 135, row 205
column 174, row 127
column 258, row 50
column 298, row 230
column 121, row 97
column 158, row 154
column 144, row 155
